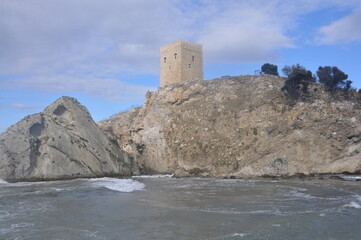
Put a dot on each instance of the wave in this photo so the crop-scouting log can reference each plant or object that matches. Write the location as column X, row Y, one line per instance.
column 232, row 236
column 237, row 212
column 116, row 184
column 352, row 205
column 238, row 235
column 355, row 202
column 25, row 184
column 301, row 193
column 298, row 193
column 3, row 181
column 155, row 176
column 351, row 178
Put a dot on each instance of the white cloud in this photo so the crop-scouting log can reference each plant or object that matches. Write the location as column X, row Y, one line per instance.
column 81, row 46
column 25, row 107
column 108, row 37
column 245, row 32
column 344, row 30
column 87, row 35
column 103, row 88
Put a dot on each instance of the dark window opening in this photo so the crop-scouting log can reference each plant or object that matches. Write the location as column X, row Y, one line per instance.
column 175, row 56
column 189, row 66
column 192, row 58
column 165, row 60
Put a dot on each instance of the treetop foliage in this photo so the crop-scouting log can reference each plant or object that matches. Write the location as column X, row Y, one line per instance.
column 333, row 78
column 271, row 69
column 298, row 80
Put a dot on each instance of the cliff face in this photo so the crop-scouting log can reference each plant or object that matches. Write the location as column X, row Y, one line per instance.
column 240, row 126
column 61, row 142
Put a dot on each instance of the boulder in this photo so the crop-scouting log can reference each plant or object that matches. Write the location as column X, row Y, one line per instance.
column 62, row 142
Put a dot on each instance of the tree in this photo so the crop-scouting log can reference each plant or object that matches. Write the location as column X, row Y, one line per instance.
column 332, row 78
column 348, row 85
column 268, row 68
column 298, row 80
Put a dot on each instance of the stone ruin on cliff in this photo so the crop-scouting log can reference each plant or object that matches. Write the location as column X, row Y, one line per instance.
column 180, row 61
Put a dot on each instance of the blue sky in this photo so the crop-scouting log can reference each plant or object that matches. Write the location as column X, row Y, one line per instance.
column 106, row 53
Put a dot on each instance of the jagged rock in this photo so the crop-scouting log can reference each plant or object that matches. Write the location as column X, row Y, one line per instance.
column 240, row 126
column 61, row 142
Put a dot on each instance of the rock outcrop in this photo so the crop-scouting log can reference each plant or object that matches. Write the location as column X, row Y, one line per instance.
column 62, row 142
column 241, row 126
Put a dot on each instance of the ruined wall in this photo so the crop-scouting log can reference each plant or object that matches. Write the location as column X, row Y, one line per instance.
column 180, row 61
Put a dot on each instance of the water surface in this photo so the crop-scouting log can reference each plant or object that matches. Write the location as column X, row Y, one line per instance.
column 169, row 208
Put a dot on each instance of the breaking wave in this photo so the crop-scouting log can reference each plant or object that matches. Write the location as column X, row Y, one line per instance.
column 120, row 185
column 356, row 203
column 353, row 205
column 3, row 181
column 155, row 176
column 232, row 236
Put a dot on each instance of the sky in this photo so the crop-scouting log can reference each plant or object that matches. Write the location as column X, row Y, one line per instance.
column 105, row 53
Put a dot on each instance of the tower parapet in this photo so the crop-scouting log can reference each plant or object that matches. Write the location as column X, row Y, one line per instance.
column 180, row 61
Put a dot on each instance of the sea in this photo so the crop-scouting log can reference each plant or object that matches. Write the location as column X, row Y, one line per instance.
column 163, row 207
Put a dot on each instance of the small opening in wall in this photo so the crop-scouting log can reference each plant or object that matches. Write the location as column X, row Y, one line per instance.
column 175, row 56
column 169, row 67
column 189, row 66
column 192, row 58
column 165, row 60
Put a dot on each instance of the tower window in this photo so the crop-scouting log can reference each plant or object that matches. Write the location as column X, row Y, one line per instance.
column 192, row 58
column 175, row 56
column 189, row 66
column 165, row 60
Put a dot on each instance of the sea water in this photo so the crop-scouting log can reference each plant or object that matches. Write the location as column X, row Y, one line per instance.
column 189, row 208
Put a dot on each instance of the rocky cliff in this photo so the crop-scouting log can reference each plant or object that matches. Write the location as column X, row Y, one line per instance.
column 242, row 126
column 61, row 142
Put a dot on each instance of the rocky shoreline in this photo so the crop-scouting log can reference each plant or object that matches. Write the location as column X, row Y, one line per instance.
column 240, row 126
column 234, row 127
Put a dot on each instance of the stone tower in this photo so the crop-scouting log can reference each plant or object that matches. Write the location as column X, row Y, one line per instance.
column 180, row 61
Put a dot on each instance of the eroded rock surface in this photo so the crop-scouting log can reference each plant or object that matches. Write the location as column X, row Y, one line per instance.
column 62, row 142
column 241, row 126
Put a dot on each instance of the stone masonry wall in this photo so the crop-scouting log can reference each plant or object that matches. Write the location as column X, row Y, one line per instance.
column 180, row 61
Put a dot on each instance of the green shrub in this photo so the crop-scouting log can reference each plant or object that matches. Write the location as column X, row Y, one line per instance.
column 255, row 132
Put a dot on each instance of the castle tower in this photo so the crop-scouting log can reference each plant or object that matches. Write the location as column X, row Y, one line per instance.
column 180, row 61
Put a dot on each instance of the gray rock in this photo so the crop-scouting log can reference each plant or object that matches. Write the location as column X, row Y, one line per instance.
column 62, row 142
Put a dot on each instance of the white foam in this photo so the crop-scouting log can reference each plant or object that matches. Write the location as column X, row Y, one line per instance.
column 353, row 205
column 231, row 236
column 356, row 203
column 299, row 194
column 24, row 184
column 120, row 185
column 155, row 176
column 238, row 235
column 236, row 212
column 351, row 178
column 22, row 225
column 3, row 181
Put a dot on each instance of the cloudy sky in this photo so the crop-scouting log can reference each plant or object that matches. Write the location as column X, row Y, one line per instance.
column 106, row 52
